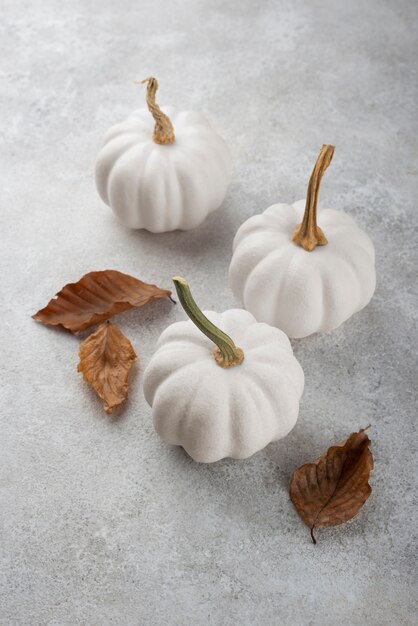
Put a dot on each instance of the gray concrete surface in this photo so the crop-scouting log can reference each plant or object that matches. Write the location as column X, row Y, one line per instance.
column 100, row 522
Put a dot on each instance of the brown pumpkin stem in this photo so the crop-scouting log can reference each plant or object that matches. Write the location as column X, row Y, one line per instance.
column 308, row 235
column 163, row 130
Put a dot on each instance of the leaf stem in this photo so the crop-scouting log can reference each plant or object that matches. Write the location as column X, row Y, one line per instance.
column 227, row 354
column 308, row 235
column 163, row 130
column 313, row 536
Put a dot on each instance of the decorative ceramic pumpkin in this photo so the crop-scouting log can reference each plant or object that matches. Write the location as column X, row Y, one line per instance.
column 283, row 278
column 227, row 401
column 166, row 177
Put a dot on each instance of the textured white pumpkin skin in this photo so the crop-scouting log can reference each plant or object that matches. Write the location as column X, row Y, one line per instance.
column 215, row 412
column 163, row 187
column 302, row 292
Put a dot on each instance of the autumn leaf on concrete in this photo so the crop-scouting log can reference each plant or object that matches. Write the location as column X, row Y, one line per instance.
column 333, row 489
column 96, row 297
column 106, row 357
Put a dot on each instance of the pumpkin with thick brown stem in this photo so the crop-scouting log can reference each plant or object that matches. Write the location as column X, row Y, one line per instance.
column 302, row 269
column 162, row 169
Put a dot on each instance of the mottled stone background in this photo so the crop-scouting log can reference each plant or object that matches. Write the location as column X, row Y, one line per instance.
column 100, row 522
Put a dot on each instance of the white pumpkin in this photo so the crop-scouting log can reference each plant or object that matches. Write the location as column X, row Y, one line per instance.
column 282, row 278
column 164, row 178
column 230, row 402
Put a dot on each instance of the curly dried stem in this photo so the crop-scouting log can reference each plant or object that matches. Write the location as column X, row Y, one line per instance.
column 163, row 130
column 227, row 354
column 308, row 235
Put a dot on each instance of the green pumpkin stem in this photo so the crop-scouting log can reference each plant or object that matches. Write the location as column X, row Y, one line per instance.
column 226, row 354
column 308, row 235
column 163, row 130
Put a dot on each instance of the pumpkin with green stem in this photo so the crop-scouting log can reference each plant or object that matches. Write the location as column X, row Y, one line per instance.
column 217, row 396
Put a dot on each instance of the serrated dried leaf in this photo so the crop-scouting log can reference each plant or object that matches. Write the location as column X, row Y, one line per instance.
column 96, row 297
column 106, row 357
column 333, row 489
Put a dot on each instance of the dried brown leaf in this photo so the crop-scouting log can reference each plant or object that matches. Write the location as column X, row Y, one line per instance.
column 333, row 489
column 96, row 297
column 106, row 357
